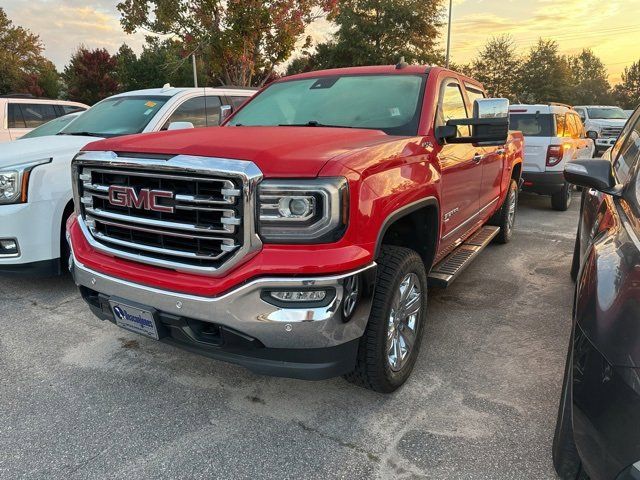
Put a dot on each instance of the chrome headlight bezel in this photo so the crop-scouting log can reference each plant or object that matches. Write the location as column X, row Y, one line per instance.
column 20, row 175
column 323, row 221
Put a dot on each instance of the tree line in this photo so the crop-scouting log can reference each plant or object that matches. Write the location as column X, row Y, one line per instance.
column 248, row 43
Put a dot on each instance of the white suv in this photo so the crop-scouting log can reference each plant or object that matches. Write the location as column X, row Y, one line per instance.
column 603, row 123
column 554, row 135
column 19, row 114
column 35, row 173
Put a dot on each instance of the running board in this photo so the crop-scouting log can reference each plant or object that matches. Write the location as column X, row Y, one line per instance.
column 445, row 272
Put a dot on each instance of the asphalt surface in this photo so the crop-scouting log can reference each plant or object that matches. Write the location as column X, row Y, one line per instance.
column 82, row 399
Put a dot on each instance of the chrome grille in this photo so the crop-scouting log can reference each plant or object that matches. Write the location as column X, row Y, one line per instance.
column 611, row 132
column 202, row 227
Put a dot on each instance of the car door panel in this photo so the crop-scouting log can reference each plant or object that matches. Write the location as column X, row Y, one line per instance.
column 460, row 169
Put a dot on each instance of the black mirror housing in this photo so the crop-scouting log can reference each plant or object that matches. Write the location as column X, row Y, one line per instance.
column 593, row 135
column 594, row 173
column 489, row 125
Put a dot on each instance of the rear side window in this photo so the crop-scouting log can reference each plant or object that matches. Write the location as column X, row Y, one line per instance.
column 15, row 119
column 571, row 127
column 35, row 114
column 532, row 124
column 561, row 125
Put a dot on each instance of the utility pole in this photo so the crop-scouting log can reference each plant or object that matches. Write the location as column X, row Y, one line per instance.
column 195, row 71
column 449, row 34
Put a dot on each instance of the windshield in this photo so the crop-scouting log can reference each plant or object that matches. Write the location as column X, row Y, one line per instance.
column 390, row 103
column 52, row 127
column 117, row 116
column 532, row 124
column 612, row 113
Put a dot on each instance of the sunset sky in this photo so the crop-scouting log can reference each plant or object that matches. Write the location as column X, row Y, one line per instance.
column 610, row 27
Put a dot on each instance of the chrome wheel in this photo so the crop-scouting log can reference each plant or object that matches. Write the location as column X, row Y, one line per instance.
column 351, row 290
column 403, row 321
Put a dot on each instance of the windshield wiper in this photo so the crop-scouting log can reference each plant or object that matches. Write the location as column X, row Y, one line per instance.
column 312, row 123
column 83, row 134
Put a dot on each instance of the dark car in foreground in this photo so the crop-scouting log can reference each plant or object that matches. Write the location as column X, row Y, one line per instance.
column 598, row 428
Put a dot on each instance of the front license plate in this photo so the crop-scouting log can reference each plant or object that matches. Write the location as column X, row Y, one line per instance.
column 134, row 319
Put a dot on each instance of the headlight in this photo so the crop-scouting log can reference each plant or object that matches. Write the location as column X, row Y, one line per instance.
column 303, row 211
column 14, row 182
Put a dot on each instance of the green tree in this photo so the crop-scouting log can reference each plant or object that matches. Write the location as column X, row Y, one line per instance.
column 627, row 93
column 588, row 80
column 23, row 68
column 239, row 42
column 544, row 75
column 91, row 75
column 378, row 32
column 497, row 67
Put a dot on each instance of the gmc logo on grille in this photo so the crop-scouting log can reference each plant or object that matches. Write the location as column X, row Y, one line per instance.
column 145, row 198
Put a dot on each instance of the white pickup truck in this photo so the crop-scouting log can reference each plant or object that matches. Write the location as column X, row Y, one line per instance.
column 603, row 123
column 35, row 179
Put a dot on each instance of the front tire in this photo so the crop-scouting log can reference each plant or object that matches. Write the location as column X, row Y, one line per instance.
column 505, row 217
column 562, row 199
column 389, row 347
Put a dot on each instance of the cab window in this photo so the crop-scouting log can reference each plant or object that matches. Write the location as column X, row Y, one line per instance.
column 474, row 95
column 561, row 125
column 200, row 111
column 452, row 106
column 35, row 114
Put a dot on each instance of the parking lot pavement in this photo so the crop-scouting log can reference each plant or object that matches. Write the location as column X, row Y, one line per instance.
column 81, row 399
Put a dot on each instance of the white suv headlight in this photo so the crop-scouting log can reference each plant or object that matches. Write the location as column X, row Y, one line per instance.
column 14, row 182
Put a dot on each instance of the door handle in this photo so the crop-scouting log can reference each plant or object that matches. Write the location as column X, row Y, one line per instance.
column 477, row 158
column 501, row 151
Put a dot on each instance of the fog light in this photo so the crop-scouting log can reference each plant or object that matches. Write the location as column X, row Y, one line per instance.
column 301, row 296
column 8, row 247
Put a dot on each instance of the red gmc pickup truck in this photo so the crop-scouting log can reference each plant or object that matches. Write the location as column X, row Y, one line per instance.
column 299, row 238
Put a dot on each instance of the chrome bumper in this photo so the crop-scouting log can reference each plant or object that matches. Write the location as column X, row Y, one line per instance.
column 244, row 310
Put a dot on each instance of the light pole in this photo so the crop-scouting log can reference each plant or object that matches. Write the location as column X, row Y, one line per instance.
column 195, row 71
column 449, row 34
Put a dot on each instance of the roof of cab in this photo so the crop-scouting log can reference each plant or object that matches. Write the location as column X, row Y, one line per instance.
column 539, row 108
column 172, row 91
column 381, row 70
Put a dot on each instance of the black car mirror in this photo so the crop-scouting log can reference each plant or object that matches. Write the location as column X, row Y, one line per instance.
column 593, row 173
column 489, row 125
column 593, row 135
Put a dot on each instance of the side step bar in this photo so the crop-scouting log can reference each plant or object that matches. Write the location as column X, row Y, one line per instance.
column 445, row 272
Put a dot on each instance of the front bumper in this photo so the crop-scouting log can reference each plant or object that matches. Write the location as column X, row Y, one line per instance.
column 32, row 226
column 241, row 327
column 545, row 183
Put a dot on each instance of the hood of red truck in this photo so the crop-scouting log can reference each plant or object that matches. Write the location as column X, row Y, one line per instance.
column 277, row 151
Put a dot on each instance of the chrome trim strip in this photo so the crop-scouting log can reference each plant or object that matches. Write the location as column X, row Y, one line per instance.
column 247, row 172
column 471, row 218
column 189, row 227
column 162, row 251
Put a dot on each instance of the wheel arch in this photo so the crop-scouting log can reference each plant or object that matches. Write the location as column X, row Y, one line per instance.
column 415, row 226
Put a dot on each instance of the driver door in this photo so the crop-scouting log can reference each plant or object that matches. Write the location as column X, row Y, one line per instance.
column 460, row 167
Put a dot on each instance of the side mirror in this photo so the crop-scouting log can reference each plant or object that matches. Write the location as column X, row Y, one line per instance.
column 180, row 125
column 489, row 125
column 593, row 135
column 225, row 112
column 593, row 173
